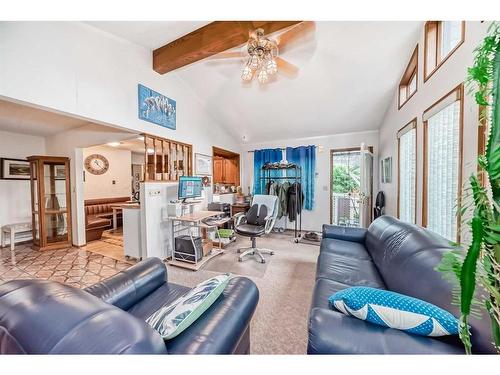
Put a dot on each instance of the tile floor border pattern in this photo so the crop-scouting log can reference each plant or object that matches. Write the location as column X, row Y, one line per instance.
column 73, row 266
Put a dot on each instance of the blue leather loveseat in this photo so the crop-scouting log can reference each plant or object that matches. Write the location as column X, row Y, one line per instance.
column 391, row 255
column 45, row 317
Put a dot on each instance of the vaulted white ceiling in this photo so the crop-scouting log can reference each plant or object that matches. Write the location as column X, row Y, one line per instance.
column 348, row 75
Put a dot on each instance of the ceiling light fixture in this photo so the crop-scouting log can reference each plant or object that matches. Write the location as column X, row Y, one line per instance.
column 114, row 144
column 261, row 60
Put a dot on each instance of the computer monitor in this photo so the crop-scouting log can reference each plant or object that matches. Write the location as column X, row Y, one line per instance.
column 189, row 187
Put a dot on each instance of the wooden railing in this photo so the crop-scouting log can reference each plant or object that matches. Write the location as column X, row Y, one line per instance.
column 165, row 159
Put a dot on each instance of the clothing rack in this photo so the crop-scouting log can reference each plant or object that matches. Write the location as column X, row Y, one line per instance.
column 265, row 175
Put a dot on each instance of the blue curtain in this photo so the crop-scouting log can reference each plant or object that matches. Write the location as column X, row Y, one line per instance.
column 305, row 157
column 261, row 157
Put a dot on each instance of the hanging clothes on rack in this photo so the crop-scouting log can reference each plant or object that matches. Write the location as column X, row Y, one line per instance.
column 283, row 199
column 295, row 201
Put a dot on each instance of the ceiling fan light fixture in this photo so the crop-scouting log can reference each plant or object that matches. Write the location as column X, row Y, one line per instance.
column 271, row 67
column 246, row 73
column 262, row 77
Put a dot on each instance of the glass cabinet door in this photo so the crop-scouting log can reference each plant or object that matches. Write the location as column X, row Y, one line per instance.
column 54, row 201
column 35, row 209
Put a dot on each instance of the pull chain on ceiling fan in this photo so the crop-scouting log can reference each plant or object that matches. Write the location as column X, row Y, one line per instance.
column 261, row 53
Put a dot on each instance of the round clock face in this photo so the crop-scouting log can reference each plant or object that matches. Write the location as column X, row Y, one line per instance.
column 96, row 164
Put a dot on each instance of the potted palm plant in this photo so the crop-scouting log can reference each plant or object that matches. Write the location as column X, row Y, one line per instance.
column 480, row 263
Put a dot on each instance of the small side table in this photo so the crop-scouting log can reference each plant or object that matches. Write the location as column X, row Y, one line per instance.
column 239, row 207
column 13, row 229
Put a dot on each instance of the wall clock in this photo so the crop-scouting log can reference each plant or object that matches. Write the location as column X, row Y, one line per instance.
column 96, row 164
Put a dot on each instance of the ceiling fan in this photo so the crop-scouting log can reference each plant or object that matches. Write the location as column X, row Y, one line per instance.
column 262, row 54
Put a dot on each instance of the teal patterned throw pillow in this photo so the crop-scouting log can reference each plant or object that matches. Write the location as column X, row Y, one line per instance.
column 394, row 310
column 172, row 319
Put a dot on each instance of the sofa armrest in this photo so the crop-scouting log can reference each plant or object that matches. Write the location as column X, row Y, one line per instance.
column 129, row 286
column 344, row 233
column 331, row 332
column 222, row 328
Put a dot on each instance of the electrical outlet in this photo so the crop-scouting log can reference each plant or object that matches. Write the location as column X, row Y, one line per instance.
column 154, row 193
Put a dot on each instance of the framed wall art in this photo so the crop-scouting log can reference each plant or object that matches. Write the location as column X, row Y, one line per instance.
column 14, row 169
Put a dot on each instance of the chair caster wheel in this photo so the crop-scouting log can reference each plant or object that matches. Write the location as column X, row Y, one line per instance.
column 296, row 240
column 240, row 260
column 238, row 251
column 263, row 261
column 272, row 253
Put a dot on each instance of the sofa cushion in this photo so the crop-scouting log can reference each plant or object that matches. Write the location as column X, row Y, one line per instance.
column 331, row 332
column 348, row 270
column 395, row 310
column 96, row 222
column 351, row 234
column 352, row 249
column 173, row 318
column 223, row 326
column 323, row 289
column 164, row 295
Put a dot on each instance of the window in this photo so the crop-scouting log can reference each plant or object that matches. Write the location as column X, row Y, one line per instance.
column 443, row 165
column 442, row 38
column 408, row 84
column 407, row 172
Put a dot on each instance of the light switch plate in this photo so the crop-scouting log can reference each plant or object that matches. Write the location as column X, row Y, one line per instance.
column 153, row 193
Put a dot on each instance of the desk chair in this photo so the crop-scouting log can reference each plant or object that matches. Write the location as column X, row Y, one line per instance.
column 258, row 221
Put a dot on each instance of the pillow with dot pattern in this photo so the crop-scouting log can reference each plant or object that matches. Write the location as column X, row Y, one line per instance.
column 394, row 310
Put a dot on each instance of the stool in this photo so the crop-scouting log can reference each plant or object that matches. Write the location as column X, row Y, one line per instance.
column 11, row 230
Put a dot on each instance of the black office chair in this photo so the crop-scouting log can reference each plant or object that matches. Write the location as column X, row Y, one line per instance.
column 258, row 221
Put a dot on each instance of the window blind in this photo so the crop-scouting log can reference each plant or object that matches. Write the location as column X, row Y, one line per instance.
column 443, row 163
column 407, row 174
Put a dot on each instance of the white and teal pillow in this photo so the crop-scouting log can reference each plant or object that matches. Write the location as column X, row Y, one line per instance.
column 394, row 310
column 174, row 318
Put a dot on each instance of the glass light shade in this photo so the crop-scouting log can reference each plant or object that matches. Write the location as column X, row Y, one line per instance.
column 246, row 73
column 254, row 62
column 271, row 67
column 262, row 77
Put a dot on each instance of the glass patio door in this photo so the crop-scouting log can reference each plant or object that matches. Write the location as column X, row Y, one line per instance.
column 351, row 181
column 345, row 172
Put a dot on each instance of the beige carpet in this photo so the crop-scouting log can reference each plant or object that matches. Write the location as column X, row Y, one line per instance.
column 285, row 282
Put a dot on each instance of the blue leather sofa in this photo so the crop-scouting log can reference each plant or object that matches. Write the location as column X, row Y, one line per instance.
column 45, row 317
column 391, row 255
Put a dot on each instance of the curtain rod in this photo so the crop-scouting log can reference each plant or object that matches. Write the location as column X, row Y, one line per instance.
column 281, row 148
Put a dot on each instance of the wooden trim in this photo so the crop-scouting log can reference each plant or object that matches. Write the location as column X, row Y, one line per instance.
column 482, row 138
column 405, row 129
column 439, row 60
column 460, row 91
column 410, row 71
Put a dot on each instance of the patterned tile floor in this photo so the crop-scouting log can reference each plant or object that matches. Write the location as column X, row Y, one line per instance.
column 72, row 266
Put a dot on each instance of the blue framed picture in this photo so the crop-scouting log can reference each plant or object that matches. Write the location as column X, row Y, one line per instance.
column 156, row 108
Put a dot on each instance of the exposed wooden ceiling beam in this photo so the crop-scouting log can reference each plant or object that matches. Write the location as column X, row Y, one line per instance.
column 209, row 40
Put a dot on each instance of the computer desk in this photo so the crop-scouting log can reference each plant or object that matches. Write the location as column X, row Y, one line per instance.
column 188, row 222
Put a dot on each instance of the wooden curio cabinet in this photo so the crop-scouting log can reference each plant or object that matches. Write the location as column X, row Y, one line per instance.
column 50, row 202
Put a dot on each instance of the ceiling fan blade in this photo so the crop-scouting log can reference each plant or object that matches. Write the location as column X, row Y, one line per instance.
column 296, row 32
column 227, row 55
column 286, row 68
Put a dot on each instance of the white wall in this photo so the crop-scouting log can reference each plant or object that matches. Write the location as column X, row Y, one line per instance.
column 119, row 172
column 15, row 196
column 313, row 220
column 76, row 69
column 447, row 77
